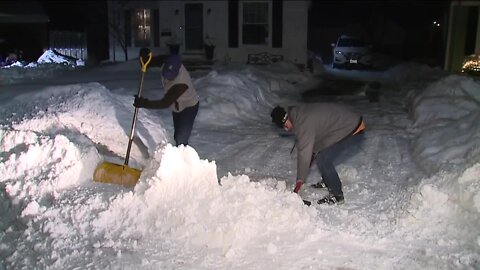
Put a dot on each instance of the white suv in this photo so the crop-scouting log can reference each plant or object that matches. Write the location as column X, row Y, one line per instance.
column 351, row 51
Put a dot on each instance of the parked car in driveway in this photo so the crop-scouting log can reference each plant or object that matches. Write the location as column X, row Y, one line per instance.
column 351, row 52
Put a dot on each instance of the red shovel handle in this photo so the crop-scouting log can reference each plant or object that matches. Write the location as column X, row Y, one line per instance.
column 298, row 186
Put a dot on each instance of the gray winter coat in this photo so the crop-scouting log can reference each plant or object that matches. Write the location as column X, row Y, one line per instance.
column 317, row 126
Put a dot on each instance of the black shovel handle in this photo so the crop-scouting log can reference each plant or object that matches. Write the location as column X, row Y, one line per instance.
column 145, row 58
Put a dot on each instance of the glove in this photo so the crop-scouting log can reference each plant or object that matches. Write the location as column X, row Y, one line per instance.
column 144, row 52
column 298, row 186
column 140, row 102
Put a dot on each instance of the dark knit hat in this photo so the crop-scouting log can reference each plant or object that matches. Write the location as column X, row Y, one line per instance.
column 279, row 116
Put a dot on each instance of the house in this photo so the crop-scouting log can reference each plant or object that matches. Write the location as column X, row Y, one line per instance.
column 236, row 28
column 23, row 28
column 463, row 38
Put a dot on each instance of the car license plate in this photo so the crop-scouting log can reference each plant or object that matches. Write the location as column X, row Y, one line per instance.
column 353, row 61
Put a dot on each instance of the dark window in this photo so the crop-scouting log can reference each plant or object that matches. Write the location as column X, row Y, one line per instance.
column 255, row 28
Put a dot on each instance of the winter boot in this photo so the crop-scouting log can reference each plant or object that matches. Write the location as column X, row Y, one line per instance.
column 320, row 184
column 332, row 199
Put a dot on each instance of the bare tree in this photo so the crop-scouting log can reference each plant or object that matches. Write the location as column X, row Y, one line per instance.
column 117, row 25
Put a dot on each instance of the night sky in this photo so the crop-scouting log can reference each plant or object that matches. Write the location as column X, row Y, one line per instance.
column 75, row 15
column 422, row 39
column 89, row 16
column 406, row 13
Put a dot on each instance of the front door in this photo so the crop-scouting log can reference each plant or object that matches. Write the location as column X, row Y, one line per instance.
column 193, row 27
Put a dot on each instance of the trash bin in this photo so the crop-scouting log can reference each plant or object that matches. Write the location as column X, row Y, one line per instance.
column 174, row 48
column 209, row 51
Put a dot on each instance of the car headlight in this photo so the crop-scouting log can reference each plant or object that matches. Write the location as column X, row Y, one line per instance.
column 338, row 52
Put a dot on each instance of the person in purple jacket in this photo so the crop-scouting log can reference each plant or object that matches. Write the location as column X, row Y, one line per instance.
column 180, row 96
column 321, row 131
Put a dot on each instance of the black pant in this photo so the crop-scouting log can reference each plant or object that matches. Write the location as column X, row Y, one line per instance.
column 183, row 124
column 325, row 162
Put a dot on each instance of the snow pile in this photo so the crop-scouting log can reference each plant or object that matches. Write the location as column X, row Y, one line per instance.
column 48, row 65
column 448, row 108
column 49, row 142
column 446, row 146
column 181, row 201
column 80, row 110
column 48, row 164
column 52, row 56
column 178, row 200
column 412, row 72
column 246, row 95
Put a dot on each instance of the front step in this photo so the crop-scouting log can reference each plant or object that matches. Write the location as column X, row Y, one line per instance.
column 191, row 61
column 191, row 65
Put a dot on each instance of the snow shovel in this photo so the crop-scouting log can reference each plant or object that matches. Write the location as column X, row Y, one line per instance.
column 108, row 172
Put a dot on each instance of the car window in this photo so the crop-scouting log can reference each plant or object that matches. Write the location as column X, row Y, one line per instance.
column 351, row 42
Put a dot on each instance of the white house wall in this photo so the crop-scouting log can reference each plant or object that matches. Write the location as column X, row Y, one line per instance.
column 294, row 37
column 215, row 24
column 295, row 28
column 169, row 21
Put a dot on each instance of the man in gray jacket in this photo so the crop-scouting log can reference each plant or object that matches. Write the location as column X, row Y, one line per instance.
column 321, row 131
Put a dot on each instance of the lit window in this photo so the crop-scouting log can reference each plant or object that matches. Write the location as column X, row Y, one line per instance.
column 142, row 27
column 471, row 64
column 255, row 25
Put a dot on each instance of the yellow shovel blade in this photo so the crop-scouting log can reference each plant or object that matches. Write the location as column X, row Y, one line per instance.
column 116, row 174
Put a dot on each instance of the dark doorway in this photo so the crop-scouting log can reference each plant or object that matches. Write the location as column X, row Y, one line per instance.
column 194, row 27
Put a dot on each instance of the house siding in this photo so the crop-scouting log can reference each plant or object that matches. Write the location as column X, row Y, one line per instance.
column 288, row 32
